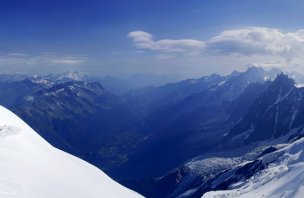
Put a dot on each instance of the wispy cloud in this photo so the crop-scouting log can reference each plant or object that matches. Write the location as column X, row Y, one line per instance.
column 44, row 58
column 144, row 40
column 257, row 40
column 246, row 42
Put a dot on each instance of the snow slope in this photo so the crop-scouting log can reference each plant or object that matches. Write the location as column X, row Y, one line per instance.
column 32, row 168
column 283, row 177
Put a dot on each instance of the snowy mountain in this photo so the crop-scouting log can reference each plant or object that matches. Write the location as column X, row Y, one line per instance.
column 274, row 108
column 116, row 85
column 273, row 120
column 277, row 111
column 193, row 125
column 174, row 140
column 32, row 168
column 281, row 174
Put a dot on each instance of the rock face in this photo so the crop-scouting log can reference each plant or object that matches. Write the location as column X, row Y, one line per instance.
column 32, row 168
column 273, row 114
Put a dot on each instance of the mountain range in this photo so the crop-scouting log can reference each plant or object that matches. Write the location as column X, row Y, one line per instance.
column 180, row 139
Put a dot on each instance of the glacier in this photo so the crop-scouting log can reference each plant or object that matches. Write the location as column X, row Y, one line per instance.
column 283, row 177
column 31, row 168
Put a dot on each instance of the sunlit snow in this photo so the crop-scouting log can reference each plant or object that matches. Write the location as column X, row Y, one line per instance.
column 32, row 168
column 284, row 177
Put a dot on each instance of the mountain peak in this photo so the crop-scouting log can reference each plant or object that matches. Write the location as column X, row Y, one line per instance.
column 254, row 70
column 254, row 74
column 284, row 81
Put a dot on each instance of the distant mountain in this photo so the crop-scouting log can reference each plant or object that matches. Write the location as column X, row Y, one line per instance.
column 15, row 86
column 148, row 79
column 121, row 85
column 115, row 85
column 30, row 167
column 83, row 119
column 12, row 90
column 264, row 115
column 161, row 140
column 277, row 111
column 148, row 99
column 193, row 125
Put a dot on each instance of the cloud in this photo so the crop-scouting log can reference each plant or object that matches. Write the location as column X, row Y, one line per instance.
column 243, row 42
column 140, row 37
column 42, row 59
column 255, row 41
column 144, row 40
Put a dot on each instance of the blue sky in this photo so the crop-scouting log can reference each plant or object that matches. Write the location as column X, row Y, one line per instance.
column 184, row 38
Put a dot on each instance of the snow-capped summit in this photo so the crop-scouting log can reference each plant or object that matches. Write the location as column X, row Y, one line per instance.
column 52, row 79
column 31, row 168
column 67, row 76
